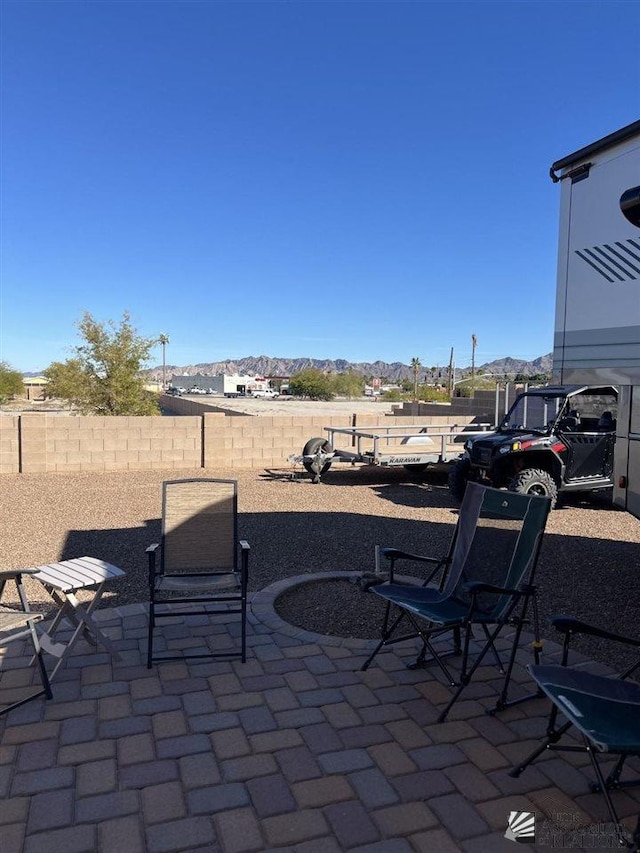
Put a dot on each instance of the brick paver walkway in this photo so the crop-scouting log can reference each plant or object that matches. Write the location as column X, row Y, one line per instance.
column 296, row 750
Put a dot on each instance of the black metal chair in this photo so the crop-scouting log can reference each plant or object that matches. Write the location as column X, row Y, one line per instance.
column 19, row 625
column 198, row 561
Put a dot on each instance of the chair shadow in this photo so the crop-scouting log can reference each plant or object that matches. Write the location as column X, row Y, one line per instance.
column 592, row 578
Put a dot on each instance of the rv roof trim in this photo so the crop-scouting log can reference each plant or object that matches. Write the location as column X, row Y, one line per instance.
column 609, row 141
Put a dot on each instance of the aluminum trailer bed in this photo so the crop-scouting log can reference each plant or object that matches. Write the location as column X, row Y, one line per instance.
column 413, row 447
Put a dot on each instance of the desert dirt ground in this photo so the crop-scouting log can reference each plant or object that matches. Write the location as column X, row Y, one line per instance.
column 588, row 565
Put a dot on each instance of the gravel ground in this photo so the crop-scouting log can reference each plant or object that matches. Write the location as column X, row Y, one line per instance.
column 588, row 565
column 262, row 407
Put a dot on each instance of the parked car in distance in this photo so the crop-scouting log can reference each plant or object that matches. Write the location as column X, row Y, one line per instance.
column 174, row 392
column 265, row 392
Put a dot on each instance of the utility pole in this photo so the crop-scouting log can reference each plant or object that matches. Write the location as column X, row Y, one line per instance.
column 474, row 344
column 451, row 382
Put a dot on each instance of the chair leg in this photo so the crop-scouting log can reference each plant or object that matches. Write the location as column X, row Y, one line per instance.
column 152, row 621
column 553, row 736
column 44, row 677
column 387, row 633
column 243, row 616
column 465, row 677
column 636, row 838
column 421, row 660
column 613, row 779
column 623, row 840
column 520, row 620
column 45, row 690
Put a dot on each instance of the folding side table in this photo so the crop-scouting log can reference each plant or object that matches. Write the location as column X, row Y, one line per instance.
column 62, row 581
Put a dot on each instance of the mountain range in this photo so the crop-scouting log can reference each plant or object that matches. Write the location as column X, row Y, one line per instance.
column 264, row 365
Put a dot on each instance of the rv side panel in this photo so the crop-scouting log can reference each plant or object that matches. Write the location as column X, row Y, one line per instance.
column 597, row 331
column 597, row 337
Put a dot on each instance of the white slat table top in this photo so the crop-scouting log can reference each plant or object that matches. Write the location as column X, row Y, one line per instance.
column 79, row 573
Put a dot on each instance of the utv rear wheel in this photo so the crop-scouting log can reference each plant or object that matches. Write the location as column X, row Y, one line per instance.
column 533, row 481
column 459, row 477
column 310, row 449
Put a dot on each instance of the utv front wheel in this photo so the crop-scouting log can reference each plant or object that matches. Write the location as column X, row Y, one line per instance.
column 459, row 477
column 533, row 481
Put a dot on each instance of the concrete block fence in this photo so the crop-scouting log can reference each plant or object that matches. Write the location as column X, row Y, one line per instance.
column 9, row 444
column 41, row 443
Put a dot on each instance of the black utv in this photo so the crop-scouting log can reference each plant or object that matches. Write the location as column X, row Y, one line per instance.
column 553, row 439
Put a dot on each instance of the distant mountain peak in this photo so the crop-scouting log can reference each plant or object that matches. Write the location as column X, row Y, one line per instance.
column 264, row 365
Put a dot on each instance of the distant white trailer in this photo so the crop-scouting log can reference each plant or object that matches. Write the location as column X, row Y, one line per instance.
column 230, row 386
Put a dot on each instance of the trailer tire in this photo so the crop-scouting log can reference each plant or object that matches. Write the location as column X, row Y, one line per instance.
column 416, row 469
column 459, row 477
column 311, row 448
column 534, row 481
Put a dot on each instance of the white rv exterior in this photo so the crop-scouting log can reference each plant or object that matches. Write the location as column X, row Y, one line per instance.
column 597, row 327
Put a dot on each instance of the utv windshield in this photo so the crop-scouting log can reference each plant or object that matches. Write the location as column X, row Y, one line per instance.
column 534, row 413
column 542, row 412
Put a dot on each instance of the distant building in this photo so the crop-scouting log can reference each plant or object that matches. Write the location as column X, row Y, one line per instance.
column 221, row 383
column 35, row 387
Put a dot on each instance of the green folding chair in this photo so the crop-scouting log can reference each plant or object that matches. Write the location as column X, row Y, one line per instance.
column 605, row 711
column 489, row 584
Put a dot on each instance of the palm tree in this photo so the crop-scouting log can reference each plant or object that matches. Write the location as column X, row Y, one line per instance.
column 415, row 366
column 163, row 340
column 474, row 344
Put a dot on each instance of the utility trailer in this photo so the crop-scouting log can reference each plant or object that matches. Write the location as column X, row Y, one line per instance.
column 414, row 447
column 597, row 328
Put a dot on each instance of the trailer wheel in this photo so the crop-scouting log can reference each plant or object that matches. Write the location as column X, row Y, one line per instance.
column 459, row 477
column 533, row 481
column 310, row 449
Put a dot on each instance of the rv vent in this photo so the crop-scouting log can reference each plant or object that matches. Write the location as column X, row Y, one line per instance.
column 617, row 262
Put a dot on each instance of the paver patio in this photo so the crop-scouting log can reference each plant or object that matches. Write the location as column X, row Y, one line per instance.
column 295, row 750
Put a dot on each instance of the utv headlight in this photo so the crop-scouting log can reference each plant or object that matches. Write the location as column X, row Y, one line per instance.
column 468, row 445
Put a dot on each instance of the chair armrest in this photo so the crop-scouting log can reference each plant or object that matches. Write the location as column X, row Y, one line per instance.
column 15, row 575
column 570, row 625
column 244, row 564
column 475, row 587
column 151, row 552
column 7, row 574
column 396, row 554
column 393, row 554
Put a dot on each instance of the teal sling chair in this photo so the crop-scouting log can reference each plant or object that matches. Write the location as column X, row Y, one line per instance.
column 604, row 710
column 487, row 582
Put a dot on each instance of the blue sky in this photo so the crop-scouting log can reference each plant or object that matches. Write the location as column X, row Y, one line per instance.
column 359, row 180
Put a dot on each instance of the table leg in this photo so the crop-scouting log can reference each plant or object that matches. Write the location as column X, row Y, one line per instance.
column 69, row 607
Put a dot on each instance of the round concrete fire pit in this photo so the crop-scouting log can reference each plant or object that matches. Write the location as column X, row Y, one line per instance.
column 328, row 607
